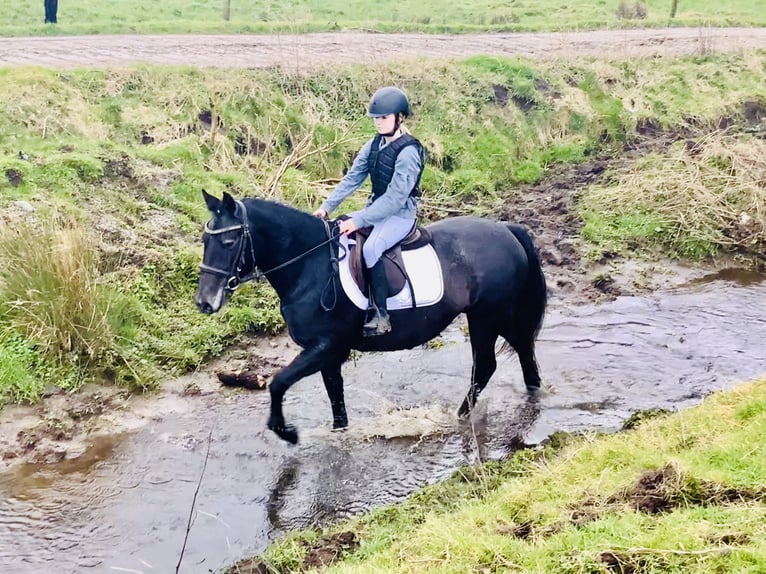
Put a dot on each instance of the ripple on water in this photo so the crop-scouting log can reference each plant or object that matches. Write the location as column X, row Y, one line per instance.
column 46, row 511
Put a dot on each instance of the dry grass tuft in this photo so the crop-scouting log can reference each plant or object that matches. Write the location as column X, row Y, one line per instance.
column 705, row 194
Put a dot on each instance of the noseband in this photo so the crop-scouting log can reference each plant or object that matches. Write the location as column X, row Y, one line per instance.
column 235, row 278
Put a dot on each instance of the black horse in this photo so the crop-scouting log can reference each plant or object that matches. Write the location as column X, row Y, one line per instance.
column 491, row 272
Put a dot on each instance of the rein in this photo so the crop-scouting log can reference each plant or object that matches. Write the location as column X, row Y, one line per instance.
column 234, row 277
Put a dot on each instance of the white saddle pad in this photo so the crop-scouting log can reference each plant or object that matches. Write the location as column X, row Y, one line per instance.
column 422, row 266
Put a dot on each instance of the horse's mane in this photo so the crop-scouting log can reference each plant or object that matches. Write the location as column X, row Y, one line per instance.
column 295, row 225
column 276, row 209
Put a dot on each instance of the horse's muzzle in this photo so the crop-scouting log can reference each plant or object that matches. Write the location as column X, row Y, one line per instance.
column 205, row 308
column 208, row 305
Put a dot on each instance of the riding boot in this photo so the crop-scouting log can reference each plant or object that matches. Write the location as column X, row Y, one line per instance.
column 378, row 322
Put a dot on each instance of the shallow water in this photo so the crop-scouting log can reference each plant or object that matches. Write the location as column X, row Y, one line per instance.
column 123, row 505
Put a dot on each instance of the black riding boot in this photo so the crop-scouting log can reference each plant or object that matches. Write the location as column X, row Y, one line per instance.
column 378, row 322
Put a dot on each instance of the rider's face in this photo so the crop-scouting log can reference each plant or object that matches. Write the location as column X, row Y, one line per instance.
column 385, row 124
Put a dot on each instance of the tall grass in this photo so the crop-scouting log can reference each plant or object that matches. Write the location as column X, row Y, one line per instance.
column 55, row 315
column 49, row 287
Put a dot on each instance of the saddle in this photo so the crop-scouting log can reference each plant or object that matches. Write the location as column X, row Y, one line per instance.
column 393, row 262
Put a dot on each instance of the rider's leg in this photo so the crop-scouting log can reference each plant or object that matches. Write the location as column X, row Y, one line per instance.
column 384, row 236
column 378, row 321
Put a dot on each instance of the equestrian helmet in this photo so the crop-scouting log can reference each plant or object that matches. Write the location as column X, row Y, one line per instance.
column 389, row 100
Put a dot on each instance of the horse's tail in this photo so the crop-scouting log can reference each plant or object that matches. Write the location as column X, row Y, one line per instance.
column 535, row 294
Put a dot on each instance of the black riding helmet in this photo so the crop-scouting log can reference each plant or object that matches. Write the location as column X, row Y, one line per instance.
column 389, row 100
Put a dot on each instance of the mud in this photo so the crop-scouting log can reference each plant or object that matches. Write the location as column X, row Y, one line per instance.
column 56, row 428
column 665, row 489
column 328, row 549
column 306, row 51
column 323, row 552
column 656, row 491
column 63, row 426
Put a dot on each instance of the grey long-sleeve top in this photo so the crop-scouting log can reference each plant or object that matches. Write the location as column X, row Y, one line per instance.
column 395, row 201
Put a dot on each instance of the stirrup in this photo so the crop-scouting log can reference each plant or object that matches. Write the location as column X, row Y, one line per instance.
column 377, row 326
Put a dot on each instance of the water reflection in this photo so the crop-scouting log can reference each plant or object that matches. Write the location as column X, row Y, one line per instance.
column 741, row 277
column 286, row 481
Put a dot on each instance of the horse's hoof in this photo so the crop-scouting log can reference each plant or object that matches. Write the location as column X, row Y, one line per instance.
column 464, row 411
column 340, row 425
column 287, row 433
column 534, row 390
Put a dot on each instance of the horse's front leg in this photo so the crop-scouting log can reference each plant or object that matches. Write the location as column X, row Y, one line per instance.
column 308, row 362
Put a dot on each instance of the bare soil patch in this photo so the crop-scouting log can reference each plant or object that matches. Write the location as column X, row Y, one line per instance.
column 321, row 553
column 655, row 491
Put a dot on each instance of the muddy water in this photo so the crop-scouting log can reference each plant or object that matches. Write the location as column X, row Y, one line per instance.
column 123, row 505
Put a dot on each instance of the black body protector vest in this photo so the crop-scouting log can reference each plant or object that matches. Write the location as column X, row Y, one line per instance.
column 383, row 161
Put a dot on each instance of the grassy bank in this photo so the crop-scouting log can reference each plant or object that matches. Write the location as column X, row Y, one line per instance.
column 206, row 16
column 101, row 172
column 677, row 493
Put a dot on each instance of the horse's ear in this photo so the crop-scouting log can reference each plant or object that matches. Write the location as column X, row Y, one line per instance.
column 229, row 204
column 212, row 202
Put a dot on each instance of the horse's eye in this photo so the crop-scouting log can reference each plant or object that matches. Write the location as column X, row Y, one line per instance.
column 228, row 242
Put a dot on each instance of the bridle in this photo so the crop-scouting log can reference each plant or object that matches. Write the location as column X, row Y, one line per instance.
column 234, row 275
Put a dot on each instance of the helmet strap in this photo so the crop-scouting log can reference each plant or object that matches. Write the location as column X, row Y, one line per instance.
column 397, row 125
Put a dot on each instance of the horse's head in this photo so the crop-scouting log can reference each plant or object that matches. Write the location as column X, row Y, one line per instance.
column 227, row 257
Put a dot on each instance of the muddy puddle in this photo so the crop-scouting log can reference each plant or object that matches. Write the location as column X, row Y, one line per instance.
column 123, row 505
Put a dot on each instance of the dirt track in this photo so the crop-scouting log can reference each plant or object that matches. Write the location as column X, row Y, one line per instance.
column 295, row 52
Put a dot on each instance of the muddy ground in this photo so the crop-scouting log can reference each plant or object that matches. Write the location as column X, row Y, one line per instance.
column 300, row 52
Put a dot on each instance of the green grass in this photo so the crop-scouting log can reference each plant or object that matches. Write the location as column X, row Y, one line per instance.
column 581, row 507
column 177, row 16
column 20, row 373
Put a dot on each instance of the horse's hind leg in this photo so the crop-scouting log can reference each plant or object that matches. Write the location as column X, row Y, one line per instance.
column 483, row 337
column 524, row 345
column 333, row 383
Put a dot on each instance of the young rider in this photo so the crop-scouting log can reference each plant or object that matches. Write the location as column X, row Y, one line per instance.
column 394, row 161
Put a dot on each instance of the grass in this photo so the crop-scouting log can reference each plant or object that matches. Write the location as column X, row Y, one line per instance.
column 680, row 493
column 702, row 196
column 206, row 16
column 124, row 154
column 52, row 306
